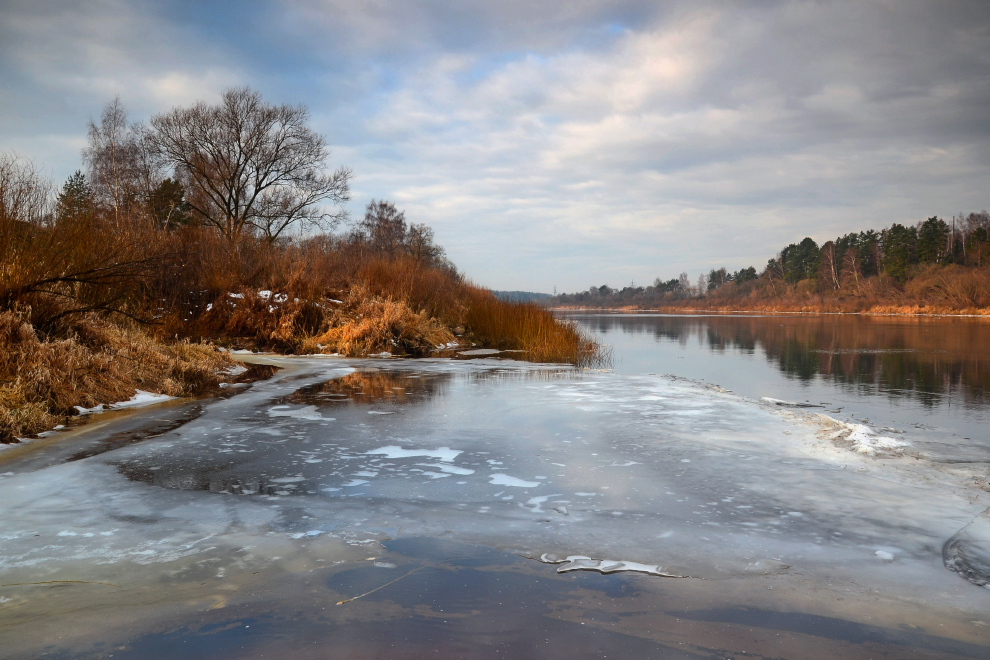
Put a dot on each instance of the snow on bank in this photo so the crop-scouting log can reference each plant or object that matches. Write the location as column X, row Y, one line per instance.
column 140, row 398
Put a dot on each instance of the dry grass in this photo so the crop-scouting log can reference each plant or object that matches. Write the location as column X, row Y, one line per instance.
column 97, row 362
column 367, row 324
column 530, row 328
column 326, row 295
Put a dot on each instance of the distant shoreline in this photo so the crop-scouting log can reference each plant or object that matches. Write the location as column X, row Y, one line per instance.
column 682, row 311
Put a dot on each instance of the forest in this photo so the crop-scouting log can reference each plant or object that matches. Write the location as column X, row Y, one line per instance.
column 933, row 266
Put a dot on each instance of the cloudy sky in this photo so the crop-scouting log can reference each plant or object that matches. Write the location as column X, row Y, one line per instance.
column 558, row 143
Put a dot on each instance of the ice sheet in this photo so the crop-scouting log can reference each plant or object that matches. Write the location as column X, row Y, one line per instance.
column 655, row 471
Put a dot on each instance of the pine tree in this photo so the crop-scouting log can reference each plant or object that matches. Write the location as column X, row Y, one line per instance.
column 76, row 199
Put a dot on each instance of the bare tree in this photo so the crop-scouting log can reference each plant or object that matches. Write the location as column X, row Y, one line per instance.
column 121, row 162
column 828, row 267
column 852, row 269
column 248, row 165
column 25, row 195
column 773, row 274
column 60, row 263
column 421, row 245
column 384, row 227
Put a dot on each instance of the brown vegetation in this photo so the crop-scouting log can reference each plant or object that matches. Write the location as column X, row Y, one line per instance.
column 93, row 362
column 927, row 289
column 127, row 278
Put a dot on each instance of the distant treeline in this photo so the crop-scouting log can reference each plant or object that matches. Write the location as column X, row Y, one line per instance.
column 522, row 296
column 932, row 264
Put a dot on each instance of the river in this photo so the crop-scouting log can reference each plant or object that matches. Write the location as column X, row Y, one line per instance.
column 769, row 487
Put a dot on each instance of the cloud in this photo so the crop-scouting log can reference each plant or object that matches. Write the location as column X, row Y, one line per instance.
column 570, row 143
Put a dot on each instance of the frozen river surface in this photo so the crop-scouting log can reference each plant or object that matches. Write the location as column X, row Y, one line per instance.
column 486, row 508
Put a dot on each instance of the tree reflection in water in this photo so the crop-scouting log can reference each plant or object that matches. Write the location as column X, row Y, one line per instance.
column 918, row 358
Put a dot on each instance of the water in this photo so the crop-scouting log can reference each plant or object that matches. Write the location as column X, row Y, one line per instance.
column 927, row 378
column 403, row 509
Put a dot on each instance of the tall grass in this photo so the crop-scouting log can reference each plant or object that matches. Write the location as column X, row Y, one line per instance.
column 42, row 381
column 530, row 328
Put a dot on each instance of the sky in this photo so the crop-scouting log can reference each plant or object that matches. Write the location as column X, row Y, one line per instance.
column 558, row 144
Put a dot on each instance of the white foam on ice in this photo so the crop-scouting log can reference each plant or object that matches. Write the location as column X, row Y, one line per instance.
column 865, row 441
column 499, row 479
column 862, row 439
column 445, row 454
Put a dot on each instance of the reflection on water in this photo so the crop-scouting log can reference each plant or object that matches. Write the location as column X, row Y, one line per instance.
column 367, row 387
column 920, row 358
column 928, row 377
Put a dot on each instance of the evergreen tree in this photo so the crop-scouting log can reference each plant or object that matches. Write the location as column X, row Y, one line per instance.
column 167, row 205
column 899, row 250
column 800, row 261
column 933, row 237
column 75, row 201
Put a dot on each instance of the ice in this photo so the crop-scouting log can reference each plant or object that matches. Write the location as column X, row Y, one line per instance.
column 968, row 551
column 666, row 475
column 450, row 469
column 865, row 441
column 499, row 479
column 534, row 503
column 604, row 566
column 306, row 412
column 788, row 404
column 445, row 454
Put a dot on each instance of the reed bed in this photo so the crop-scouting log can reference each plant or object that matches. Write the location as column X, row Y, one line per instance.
column 532, row 329
column 42, row 380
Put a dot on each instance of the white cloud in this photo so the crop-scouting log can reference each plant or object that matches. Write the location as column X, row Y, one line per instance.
column 561, row 143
